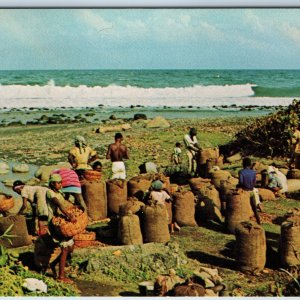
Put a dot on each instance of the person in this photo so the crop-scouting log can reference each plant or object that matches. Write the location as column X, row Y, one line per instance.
column 295, row 145
column 97, row 165
column 277, row 181
column 57, row 206
column 36, row 196
column 81, row 155
column 192, row 150
column 247, row 181
column 116, row 152
column 160, row 196
column 176, row 155
column 71, row 185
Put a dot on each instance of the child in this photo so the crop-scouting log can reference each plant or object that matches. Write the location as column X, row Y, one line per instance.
column 160, row 196
column 176, row 155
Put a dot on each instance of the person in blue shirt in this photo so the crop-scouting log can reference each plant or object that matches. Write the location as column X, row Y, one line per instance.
column 247, row 181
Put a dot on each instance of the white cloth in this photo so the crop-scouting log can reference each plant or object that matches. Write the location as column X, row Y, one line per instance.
column 118, row 170
column 188, row 141
column 280, row 177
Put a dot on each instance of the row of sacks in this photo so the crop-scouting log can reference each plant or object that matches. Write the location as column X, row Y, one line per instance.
column 251, row 245
column 17, row 168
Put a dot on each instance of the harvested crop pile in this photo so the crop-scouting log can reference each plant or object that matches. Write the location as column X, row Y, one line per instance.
column 268, row 135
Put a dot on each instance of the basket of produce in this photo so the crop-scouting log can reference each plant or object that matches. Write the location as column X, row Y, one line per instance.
column 92, row 175
column 85, row 239
column 6, row 202
column 67, row 228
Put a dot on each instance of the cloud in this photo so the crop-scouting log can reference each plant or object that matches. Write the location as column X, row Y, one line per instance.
column 254, row 21
column 292, row 33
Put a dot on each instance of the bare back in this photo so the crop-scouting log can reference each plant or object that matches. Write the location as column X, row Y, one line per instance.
column 117, row 152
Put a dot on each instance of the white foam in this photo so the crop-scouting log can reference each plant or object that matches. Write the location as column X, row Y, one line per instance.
column 82, row 96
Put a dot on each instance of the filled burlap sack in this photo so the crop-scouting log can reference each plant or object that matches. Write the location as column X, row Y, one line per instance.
column 116, row 192
column 94, row 195
column 190, row 289
column 184, row 208
column 209, row 204
column 293, row 185
column 219, row 175
column 238, row 209
column 198, row 183
column 297, row 160
column 234, row 158
column 139, row 185
column 289, row 244
column 250, row 247
column 211, row 162
column 133, row 205
column 259, row 167
column 266, row 194
column 130, row 230
column 7, row 202
column 155, row 224
column 19, row 231
column 208, row 153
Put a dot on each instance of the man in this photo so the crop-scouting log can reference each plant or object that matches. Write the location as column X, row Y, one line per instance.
column 277, row 181
column 295, row 145
column 116, row 153
column 247, row 181
column 36, row 196
column 192, row 149
column 81, row 155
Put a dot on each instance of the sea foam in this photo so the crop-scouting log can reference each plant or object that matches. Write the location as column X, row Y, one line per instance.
column 82, row 96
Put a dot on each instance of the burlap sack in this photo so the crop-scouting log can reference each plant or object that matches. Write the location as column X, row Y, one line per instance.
column 94, row 195
column 234, row 158
column 218, row 176
column 238, row 209
column 211, row 162
column 19, row 230
column 130, row 230
column 155, row 224
column 259, row 167
column 189, row 289
column 208, row 153
column 137, row 186
column 293, row 185
column 116, row 190
column 293, row 174
column 210, row 208
column 251, row 247
column 266, row 194
column 198, row 183
column 133, row 205
column 289, row 245
column 184, row 208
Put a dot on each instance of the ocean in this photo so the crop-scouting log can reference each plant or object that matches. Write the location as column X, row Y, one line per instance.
column 148, row 88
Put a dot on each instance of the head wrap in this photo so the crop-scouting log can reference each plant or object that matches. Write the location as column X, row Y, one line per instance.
column 80, row 142
column 55, row 178
column 157, row 185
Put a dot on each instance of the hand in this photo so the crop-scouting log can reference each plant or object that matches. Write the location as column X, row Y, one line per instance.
column 71, row 218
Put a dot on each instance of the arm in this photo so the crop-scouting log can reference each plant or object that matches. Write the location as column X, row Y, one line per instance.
column 126, row 155
column 108, row 153
column 63, row 209
column 93, row 156
column 72, row 160
column 24, row 205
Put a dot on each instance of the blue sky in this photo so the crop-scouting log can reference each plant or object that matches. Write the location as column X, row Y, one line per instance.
column 236, row 38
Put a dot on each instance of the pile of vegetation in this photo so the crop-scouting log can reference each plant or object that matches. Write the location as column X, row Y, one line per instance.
column 13, row 275
column 269, row 135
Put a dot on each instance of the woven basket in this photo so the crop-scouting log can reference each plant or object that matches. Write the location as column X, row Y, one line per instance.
column 85, row 239
column 6, row 203
column 92, row 175
column 70, row 229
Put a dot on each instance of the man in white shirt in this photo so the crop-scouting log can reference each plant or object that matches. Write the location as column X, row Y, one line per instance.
column 192, row 149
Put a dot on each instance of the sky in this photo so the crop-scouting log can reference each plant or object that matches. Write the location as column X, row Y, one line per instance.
column 150, row 38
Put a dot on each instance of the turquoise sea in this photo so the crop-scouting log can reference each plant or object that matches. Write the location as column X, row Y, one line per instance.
column 149, row 88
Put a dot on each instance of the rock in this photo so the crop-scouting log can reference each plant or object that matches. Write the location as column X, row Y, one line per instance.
column 139, row 117
column 113, row 128
column 158, row 122
column 20, row 168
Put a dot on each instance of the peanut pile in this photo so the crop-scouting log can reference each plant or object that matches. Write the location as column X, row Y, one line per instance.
column 73, row 210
